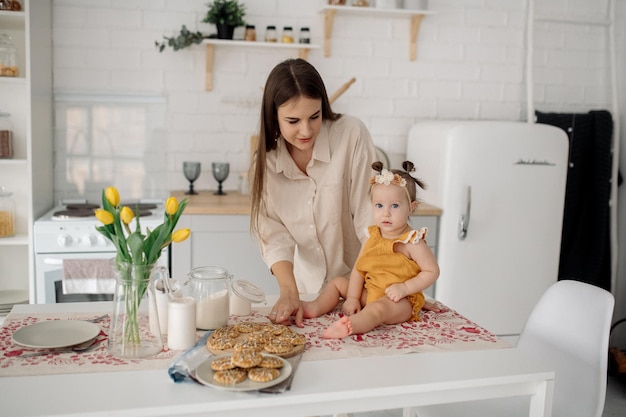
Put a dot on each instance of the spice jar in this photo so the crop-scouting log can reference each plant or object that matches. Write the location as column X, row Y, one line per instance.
column 287, row 34
column 6, row 136
column 270, row 34
column 7, row 213
column 250, row 34
column 8, row 56
column 305, row 35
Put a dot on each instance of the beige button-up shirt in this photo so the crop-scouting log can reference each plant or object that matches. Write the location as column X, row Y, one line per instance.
column 317, row 221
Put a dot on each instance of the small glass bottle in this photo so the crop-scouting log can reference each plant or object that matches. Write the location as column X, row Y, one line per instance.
column 250, row 33
column 287, row 34
column 270, row 34
column 6, row 136
column 7, row 213
column 305, row 35
column 8, row 56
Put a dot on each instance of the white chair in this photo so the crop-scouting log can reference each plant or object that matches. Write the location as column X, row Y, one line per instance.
column 569, row 328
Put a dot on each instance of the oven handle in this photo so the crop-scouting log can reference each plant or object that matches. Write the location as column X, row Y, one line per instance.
column 53, row 261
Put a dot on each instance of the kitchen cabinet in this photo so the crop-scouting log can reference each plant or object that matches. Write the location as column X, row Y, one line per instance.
column 303, row 52
column 415, row 15
column 220, row 235
column 28, row 98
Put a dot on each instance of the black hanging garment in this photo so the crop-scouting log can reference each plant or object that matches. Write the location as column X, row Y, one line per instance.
column 585, row 240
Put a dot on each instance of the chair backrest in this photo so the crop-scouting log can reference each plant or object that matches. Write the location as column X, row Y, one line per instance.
column 569, row 327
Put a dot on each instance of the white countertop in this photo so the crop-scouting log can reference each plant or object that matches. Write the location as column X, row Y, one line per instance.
column 319, row 387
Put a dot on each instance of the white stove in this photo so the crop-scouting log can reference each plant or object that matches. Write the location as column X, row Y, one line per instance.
column 68, row 231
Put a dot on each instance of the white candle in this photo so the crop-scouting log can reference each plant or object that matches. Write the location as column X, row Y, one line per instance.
column 212, row 311
column 181, row 323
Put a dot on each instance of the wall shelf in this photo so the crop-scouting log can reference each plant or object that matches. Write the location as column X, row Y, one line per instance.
column 303, row 52
column 415, row 15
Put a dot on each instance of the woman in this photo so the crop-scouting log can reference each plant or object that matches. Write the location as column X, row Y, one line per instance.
column 310, row 203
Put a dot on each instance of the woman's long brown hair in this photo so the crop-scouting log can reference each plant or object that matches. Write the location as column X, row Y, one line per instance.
column 289, row 79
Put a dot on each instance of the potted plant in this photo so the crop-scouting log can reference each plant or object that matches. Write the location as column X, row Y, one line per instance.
column 226, row 15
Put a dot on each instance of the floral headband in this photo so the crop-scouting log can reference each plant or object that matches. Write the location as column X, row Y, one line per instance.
column 387, row 177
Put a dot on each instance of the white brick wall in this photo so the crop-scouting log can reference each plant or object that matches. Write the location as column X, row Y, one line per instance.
column 470, row 65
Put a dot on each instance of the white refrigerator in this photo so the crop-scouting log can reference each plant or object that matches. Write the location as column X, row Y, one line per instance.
column 501, row 187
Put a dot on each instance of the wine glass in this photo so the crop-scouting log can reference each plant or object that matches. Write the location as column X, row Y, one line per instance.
column 220, row 173
column 192, row 172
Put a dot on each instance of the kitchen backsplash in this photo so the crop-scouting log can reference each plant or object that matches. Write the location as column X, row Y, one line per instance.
column 470, row 64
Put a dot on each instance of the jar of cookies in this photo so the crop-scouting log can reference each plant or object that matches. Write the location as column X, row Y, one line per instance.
column 8, row 57
column 210, row 286
column 7, row 213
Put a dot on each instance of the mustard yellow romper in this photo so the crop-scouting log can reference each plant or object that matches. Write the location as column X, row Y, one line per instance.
column 381, row 266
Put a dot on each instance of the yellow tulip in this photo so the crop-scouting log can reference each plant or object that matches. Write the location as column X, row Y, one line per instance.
column 127, row 215
column 104, row 216
column 171, row 206
column 180, row 235
column 112, row 196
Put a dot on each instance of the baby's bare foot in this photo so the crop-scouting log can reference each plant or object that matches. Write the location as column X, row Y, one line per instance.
column 339, row 329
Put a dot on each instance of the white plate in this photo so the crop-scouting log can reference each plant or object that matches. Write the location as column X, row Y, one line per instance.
column 56, row 333
column 204, row 373
column 10, row 297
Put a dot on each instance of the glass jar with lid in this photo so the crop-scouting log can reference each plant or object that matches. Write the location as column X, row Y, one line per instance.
column 7, row 213
column 270, row 34
column 287, row 34
column 250, row 34
column 8, row 57
column 305, row 35
column 6, row 136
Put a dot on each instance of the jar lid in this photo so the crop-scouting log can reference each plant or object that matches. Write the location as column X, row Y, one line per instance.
column 248, row 291
column 5, row 193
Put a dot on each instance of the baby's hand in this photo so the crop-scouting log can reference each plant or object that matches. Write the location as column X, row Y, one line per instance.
column 396, row 292
column 351, row 306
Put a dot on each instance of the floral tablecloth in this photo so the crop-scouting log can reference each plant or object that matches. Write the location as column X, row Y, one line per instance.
column 93, row 360
column 442, row 329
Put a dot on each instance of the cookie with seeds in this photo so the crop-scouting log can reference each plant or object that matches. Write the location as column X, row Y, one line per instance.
column 271, row 362
column 223, row 363
column 277, row 346
column 276, row 329
column 220, row 342
column 292, row 337
column 226, row 331
column 249, row 344
column 249, row 327
column 263, row 374
column 230, row 376
column 247, row 358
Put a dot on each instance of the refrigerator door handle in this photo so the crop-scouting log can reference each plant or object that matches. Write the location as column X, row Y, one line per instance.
column 465, row 218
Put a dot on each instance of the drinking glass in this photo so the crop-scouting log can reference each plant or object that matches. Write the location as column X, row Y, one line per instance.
column 192, row 172
column 220, row 173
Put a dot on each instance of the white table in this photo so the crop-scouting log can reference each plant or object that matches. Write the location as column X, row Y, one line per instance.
column 319, row 387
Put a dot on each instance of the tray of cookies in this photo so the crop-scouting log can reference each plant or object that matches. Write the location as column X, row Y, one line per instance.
column 276, row 339
column 245, row 370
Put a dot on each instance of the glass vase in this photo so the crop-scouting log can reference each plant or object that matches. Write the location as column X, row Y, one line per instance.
column 131, row 335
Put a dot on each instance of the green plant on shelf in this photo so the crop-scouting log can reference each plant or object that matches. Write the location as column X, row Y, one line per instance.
column 184, row 39
column 226, row 12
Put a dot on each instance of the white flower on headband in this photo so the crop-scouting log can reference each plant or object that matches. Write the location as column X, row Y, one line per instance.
column 387, row 177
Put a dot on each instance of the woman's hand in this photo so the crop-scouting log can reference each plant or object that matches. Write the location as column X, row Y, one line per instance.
column 351, row 305
column 396, row 292
column 288, row 305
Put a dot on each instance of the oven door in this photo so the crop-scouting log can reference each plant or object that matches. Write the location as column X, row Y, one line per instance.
column 49, row 276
